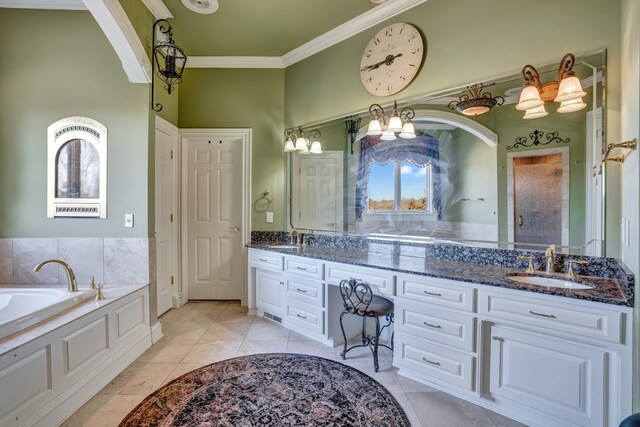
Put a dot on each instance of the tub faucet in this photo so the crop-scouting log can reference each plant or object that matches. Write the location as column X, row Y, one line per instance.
column 72, row 284
column 549, row 255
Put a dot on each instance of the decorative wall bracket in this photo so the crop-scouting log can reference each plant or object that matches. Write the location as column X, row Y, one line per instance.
column 536, row 137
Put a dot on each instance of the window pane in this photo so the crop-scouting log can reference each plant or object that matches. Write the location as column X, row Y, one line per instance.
column 381, row 187
column 413, row 187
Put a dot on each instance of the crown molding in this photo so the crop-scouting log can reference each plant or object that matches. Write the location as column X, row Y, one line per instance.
column 235, row 62
column 349, row 29
column 158, row 9
column 116, row 26
column 342, row 32
column 44, row 4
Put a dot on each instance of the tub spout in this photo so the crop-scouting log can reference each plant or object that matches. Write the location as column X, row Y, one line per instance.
column 72, row 284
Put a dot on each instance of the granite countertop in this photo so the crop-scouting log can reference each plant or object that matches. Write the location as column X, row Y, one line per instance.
column 606, row 290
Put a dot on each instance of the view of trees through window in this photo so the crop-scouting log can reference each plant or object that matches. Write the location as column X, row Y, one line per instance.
column 398, row 186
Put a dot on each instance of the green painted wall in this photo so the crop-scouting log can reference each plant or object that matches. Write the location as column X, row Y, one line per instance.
column 57, row 64
column 247, row 98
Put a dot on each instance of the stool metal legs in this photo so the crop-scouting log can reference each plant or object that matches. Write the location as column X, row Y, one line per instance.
column 372, row 342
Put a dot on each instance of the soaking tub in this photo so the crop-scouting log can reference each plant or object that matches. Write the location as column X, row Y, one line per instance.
column 21, row 307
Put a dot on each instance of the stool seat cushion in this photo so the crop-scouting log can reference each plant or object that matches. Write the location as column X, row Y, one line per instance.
column 379, row 307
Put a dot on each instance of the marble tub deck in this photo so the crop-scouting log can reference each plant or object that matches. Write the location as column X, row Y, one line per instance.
column 605, row 290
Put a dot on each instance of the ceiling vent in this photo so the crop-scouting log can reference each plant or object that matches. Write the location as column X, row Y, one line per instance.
column 201, row 6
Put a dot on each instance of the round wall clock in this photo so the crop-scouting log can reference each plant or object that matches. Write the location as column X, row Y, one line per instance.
column 391, row 59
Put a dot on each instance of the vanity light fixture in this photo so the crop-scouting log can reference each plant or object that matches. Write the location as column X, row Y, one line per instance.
column 385, row 128
column 476, row 102
column 567, row 90
column 167, row 60
column 296, row 140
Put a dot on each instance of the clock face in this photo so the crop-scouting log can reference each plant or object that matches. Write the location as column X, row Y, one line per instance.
column 391, row 59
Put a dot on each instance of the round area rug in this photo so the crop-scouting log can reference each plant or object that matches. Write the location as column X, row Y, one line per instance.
column 270, row 390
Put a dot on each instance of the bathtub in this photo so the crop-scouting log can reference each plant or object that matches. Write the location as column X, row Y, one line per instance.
column 21, row 307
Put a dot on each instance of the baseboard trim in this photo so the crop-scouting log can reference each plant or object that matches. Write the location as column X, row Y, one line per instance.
column 156, row 332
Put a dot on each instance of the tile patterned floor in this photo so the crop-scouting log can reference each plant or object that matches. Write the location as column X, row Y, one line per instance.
column 201, row 333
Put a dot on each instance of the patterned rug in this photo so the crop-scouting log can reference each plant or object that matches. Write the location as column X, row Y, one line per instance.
column 270, row 390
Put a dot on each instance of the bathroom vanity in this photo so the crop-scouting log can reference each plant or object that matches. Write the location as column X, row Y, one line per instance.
column 543, row 356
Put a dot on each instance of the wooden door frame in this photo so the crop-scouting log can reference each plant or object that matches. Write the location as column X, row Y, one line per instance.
column 565, row 190
column 245, row 136
column 167, row 127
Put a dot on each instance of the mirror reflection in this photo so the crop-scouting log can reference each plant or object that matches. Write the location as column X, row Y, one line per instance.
column 483, row 173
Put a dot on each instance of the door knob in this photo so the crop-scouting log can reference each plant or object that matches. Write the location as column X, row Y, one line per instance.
column 236, row 228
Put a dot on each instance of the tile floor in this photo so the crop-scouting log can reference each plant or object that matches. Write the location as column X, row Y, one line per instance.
column 201, row 333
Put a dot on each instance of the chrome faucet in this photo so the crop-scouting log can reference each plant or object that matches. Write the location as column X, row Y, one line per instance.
column 72, row 284
column 549, row 255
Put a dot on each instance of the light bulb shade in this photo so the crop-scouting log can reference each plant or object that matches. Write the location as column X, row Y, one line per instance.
column 316, row 148
column 301, row 143
column 570, row 88
column 288, row 145
column 395, row 124
column 388, row 135
column 571, row 106
column 375, row 128
column 408, row 131
column 535, row 113
column 529, row 98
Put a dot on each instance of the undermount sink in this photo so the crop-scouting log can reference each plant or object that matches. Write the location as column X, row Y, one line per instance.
column 284, row 246
column 549, row 282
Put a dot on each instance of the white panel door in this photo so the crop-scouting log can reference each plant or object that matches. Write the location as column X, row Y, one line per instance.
column 559, row 377
column 319, row 186
column 166, row 195
column 214, row 217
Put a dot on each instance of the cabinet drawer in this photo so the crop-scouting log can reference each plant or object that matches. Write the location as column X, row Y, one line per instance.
column 435, row 325
column 446, row 293
column 305, row 316
column 263, row 259
column 380, row 280
column 430, row 361
column 304, row 267
column 588, row 321
column 305, row 290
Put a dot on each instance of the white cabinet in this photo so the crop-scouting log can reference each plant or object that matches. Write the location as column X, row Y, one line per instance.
column 269, row 292
column 559, row 377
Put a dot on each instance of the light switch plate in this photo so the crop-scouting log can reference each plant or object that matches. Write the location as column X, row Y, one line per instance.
column 128, row 220
column 269, row 216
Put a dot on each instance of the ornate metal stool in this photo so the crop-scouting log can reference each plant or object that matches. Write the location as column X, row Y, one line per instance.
column 359, row 300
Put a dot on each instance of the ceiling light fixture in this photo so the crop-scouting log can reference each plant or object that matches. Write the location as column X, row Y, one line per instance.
column 567, row 90
column 167, row 58
column 201, row 6
column 476, row 102
column 296, row 140
column 399, row 123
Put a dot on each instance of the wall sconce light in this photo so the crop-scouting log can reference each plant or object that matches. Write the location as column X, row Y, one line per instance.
column 567, row 90
column 396, row 123
column 167, row 58
column 353, row 126
column 476, row 102
column 297, row 141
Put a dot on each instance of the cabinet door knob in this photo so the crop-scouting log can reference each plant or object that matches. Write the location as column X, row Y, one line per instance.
column 236, row 228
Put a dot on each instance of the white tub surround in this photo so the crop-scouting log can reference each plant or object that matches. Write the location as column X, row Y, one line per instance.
column 25, row 306
column 51, row 369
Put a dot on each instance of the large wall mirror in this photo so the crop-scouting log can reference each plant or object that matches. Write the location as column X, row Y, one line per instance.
column 494, row 179
column 77, row 168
